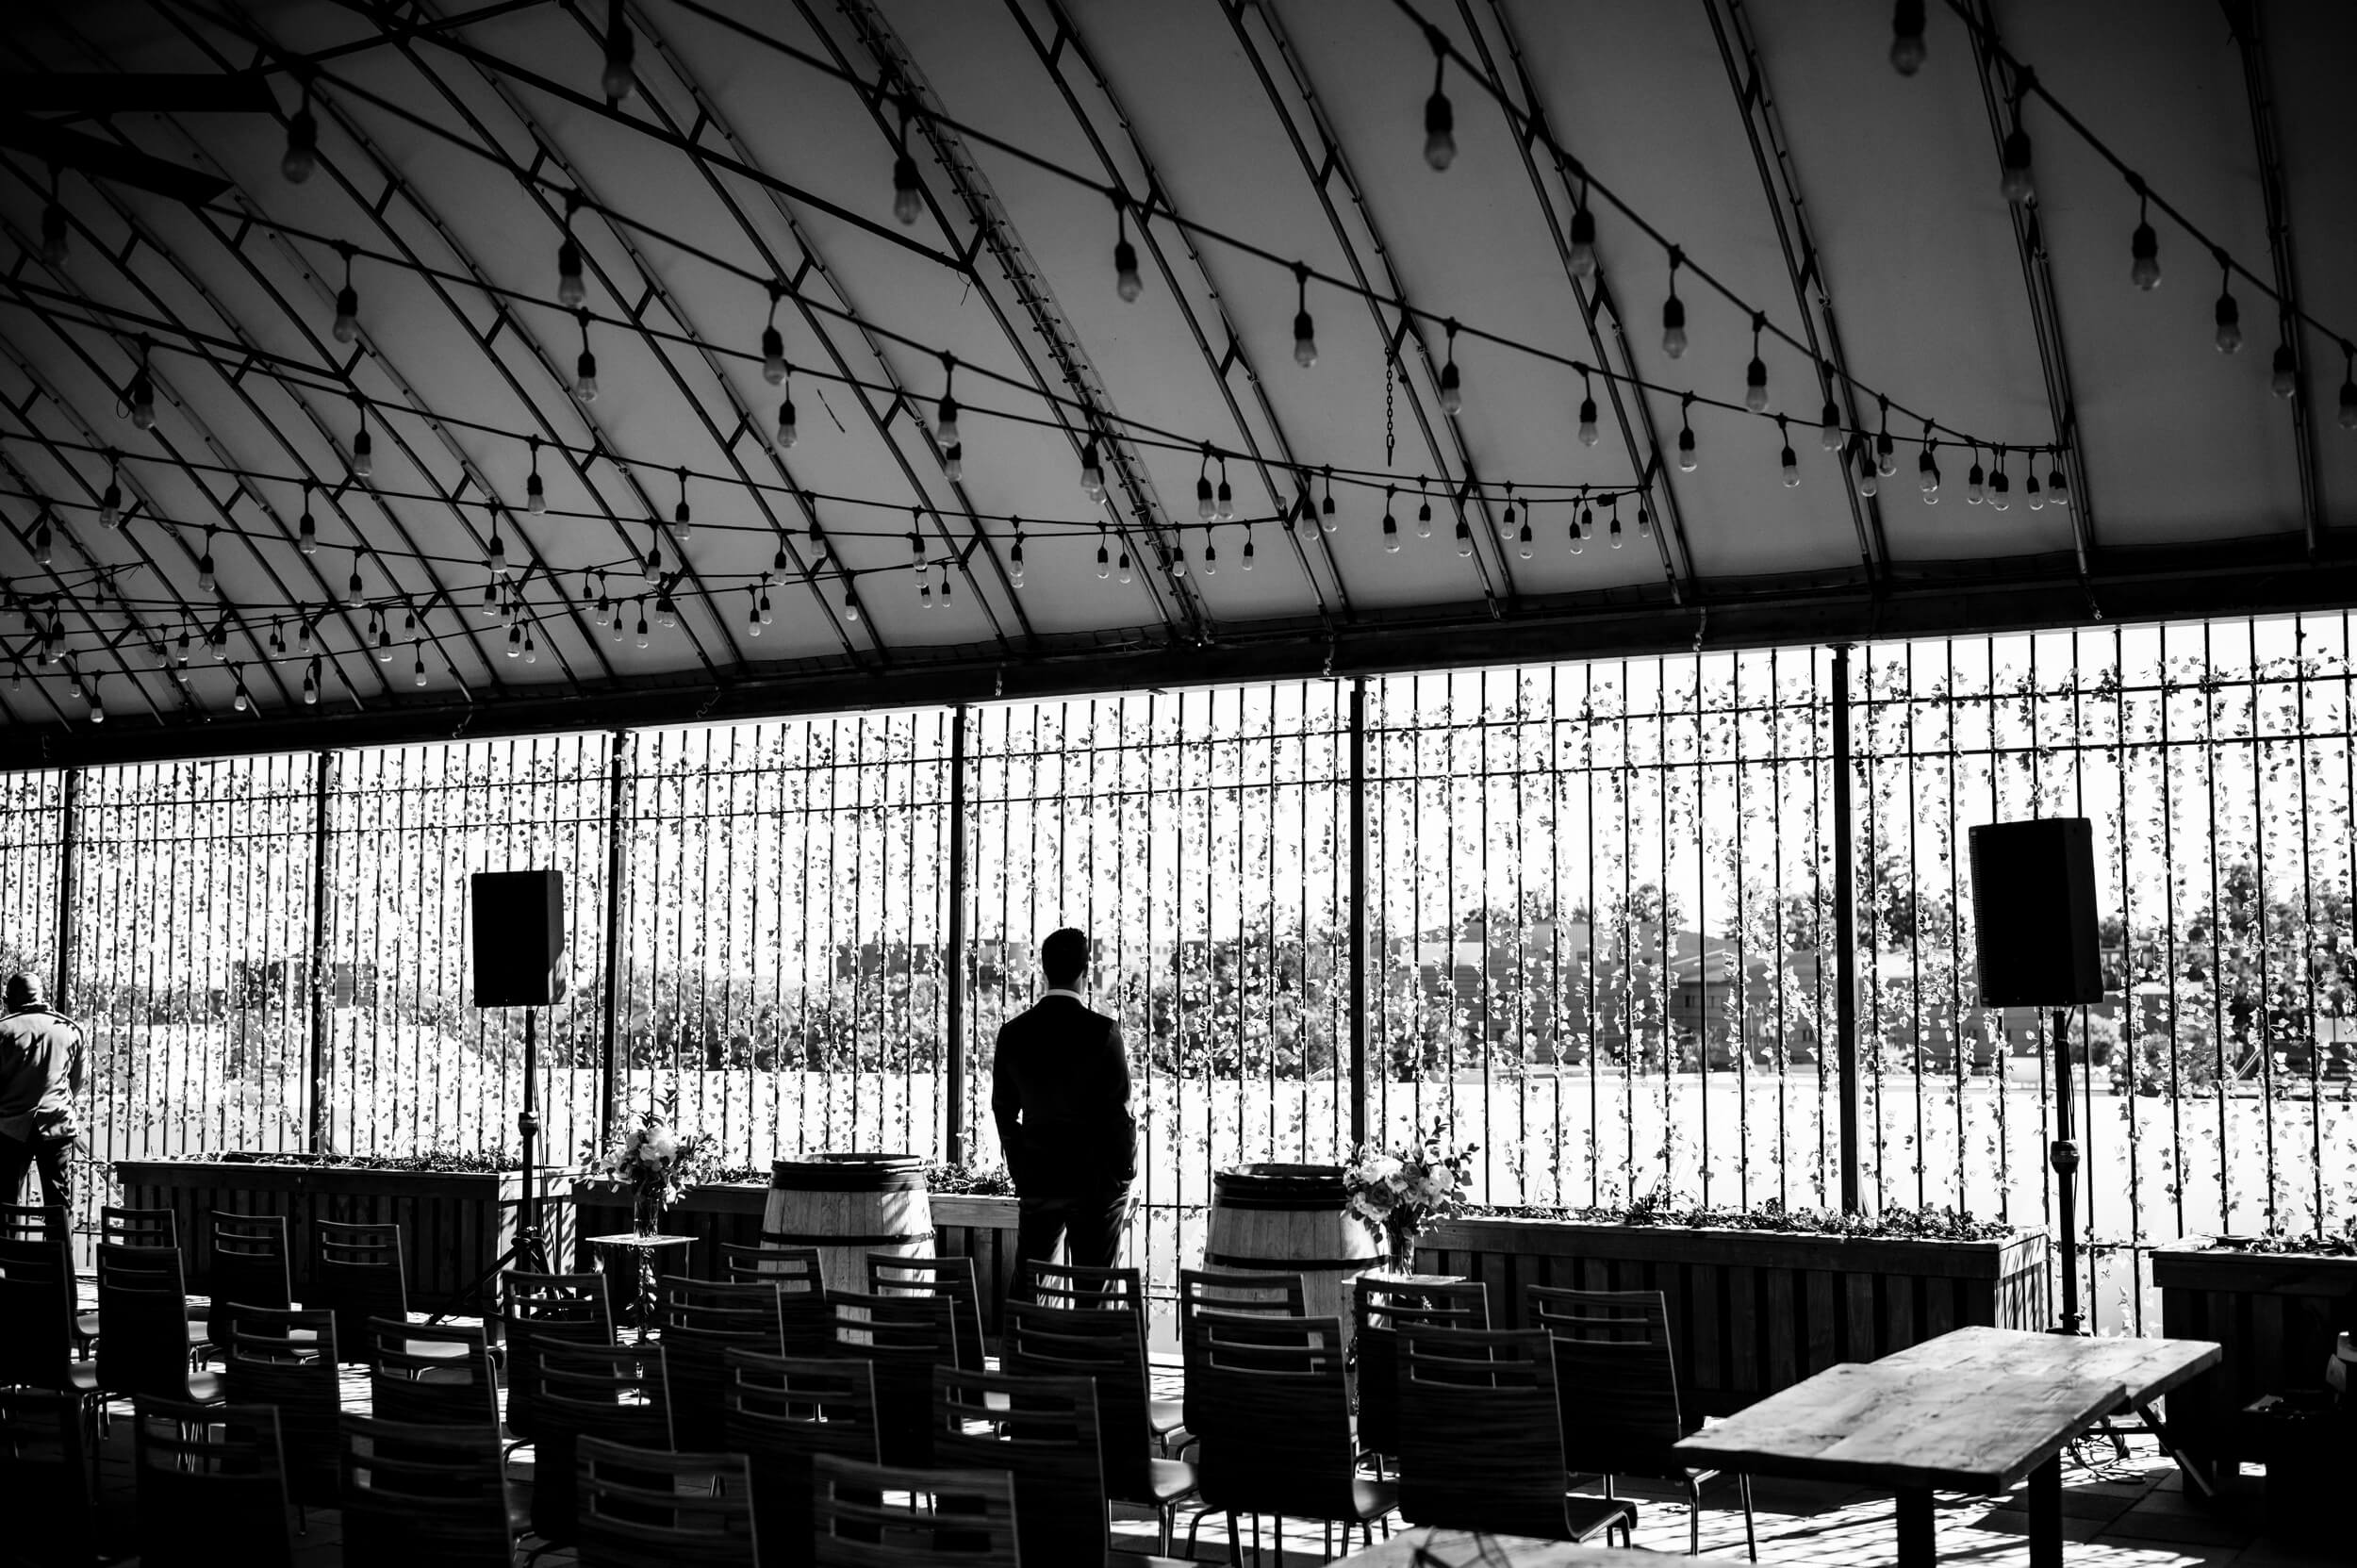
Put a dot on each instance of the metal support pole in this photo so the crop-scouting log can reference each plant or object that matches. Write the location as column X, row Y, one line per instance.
column 2064, row 1158
column 323, row 777
column 1845, row 937
column 954, row 1077
column 609, row 1036
column 1357, row 909
column 67, row 848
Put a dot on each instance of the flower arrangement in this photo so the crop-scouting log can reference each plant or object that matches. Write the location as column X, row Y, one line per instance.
column 658, row 1161
column 1399, row 1193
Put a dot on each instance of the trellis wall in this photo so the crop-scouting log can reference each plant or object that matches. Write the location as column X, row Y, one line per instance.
column 1595, row 909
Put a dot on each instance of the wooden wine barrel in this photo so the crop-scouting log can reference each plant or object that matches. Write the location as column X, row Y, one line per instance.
column 848, row 1206
column 1289, row 1219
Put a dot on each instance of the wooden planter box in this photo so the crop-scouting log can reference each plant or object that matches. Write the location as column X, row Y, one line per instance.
column 454, row 1223
column 978, row 1227
column 1754, row 1311
column 2273, row 1313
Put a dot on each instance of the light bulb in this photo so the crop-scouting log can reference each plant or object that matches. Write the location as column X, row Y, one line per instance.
column 1686, row 460
column 2144, row 250
column 1124, row 567
column 1616, row 527
column 1424, row 518
column 347, row 325
column 953, row 462
column 1829, row 429
column 1906, row 37
column 353, row 590
column 1327, row 519
column 850, row 607
column 490, row 600
column 241, row 701
column 1792, row 467
column 1587, row 421
column 1126, row 280
column 1583, row 243
column 1439, row 131
column 773, row 356
column 1756, row 385
column 53, row 235
column 2016, row 185
column 363, row 454
column 111, row 507
column 639, row 634
column 946, row 425
column 1644, row 521
column 1523, row 541
column 683, row 529
column 586, row 377
column 204, row 579
column 2229, row 318
column 141, row 398
column 1976, row 487
column 2284, row 379
column 1578, row 540
column 41, row 542
column 1868, row 480
column 908, row 199
column 1674, row 327
column 752, row 621
column 620, row 52
column 2031, row 493
column 788, row 432
column 1886, row 455
column 1464, row 539
column 535, row 495
column 1927, row 476
column 1204, row 509
column 570, row 288
column 1014, row 562
column 1226, row 509
column 383, row 645
column 1104, row 564
column 766, row 617
column 302, row 146
column 310, row 690
column 495, row 554
column 1451, row 391
column 97, row 705
column 1091, row 471
column 2348, row 403
column 1998, row 487
column 1391, row 534
column 419, row 677
column 1305, row 341
column 1210, row 558
column 1177, row 563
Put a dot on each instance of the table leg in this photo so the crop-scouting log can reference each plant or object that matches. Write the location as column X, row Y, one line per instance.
column 2046, row 1538
column 1918, row 1548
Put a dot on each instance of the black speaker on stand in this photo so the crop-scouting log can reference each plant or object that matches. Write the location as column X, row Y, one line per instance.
column 518, row 940
column 2035, row 937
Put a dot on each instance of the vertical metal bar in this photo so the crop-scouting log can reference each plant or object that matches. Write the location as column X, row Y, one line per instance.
column 1357, row 909
column 1844, row 935
column 957, row 966
column 66, row 922
column 322, row 774
column 609, row 1043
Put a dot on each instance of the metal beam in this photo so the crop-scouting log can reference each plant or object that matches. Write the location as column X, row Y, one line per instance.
column 1780, row 186
column 2242, row 16
column 2037, row 277
column 1333, row 167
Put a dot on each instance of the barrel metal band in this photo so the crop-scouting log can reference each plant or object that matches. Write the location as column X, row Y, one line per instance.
column 1287, row 1265
column 796, row 1238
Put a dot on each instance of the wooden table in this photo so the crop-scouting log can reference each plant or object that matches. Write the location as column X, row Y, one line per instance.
column 1974, row 1410
column 1463, row 1550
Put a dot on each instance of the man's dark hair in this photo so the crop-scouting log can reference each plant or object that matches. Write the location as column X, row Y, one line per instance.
column 1065, row 957
column 23, row 991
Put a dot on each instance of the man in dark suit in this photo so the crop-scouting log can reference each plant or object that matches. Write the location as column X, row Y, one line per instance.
column 1061, row 1093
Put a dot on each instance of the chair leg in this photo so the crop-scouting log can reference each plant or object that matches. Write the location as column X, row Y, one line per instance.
column 1693, row 1517
column 1235, row 1543
column 1751, row 1537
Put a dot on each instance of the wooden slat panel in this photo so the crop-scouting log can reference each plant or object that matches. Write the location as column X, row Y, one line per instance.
column 1783, row 1358
column 1858, row 1329
column 1704, row 1282
column 1821, row 1347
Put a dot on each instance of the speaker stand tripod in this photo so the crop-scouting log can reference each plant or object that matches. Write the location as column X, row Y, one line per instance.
column 529, row 1253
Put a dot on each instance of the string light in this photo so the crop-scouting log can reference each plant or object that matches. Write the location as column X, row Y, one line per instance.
column 1225, row 507
column 908, row 197
column 1126, row 280
column 347, row 327
column 205, row 578
column 1868, row 480
column 1886, row 450
column 1092, row 470
column 1328, row 517
column 622, row 51
column 239, row 700
column 491, row 601
column 1587, row 411
column 1210, row 556
column 43, row 545
column 1122, row 570
column 1464, row 537
column 354, row 592
column 1975, row 487
column 752, row 615
column 110, row 504
column 495, row 552
column 2349, row 386
column 1673, row 311
column 1439, row 119
column 788, row 432
column 1583, row 238
column 1688, row 460
column 585, row 368
column 302, row 637
column 536, row 493
column 773, row 343
column 683, row 526
column 2057, row 488
column 2228, row 314
column 141, row 395
column 532, row 647
column 1424, row 510
column 1506, row 520
column 418, row 677
column 1451, row 391
column 2031, row 492
column 946, row 421
column 2284, row 375
column 1906, row 37
column 764, row 606
column 2016, row 185
column 850, row 607
column 1014, row 556
column 1998, row 484
column 1644, row 521
column 1104, row 558
column 1829, row 426
column 1756, row 373
column 1305, row 330
column 1615, row 532
column 302, row 157
column 97, row 703
column 311, row 685
column 1790, row 461
column 639, row 634
column 1927, row 468
column 1175, row 561
column 570, row 289
column 1391, row 524
column 2144, row 246
column 363, row 444
column 1205, row 507
column 1523, row 541
column 1578, row 541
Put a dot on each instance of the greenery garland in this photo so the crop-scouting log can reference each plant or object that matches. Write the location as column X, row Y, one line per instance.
column 1926, row 1224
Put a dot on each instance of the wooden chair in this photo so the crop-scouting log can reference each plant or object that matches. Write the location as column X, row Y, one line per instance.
column 1053, row 1285
column 287, row 1360
column 416, row 1495
column 1228, row 1291
column 432, row 1374
column 613, row 1392
column 803, row 1307
column 1478, row 1446
column 676, row 1511
column 1268, row 1399
column 1382, row 1308
column 1043, row 1431
column 890, row 1274
column 250, row 1268
column 1108, row 1348
column 357, row 1273
column 37, row 1338
column 903, row 1338
column 700, row 1321
column 47, row 1462
column 144, row 1333
column 953, row 1519
column 781, row 1413
column 545, row 1308
column 34, row 1222
column 138, row 1227
column 212, row 1485
column 1617, row 1393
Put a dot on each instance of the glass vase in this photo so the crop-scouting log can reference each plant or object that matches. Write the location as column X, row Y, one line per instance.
column 645, row 1211
column 1401, row 1257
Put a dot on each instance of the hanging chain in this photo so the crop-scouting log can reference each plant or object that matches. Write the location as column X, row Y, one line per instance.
column 1390, row 435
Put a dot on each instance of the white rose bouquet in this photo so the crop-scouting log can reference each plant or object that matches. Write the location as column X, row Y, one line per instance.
column 1398, row 1193
column 658, row 1163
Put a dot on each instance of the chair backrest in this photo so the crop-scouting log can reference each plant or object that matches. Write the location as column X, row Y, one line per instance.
column 890, row 1274
column 1615, row 1378
column 46, row 1454
column 1054, row 1284
column 357, row 1271
column 250, row 1268
column 138, row 1227
column 700, row 1321
column 1042, row 1431
column 613, row 1391
column 1478, row 1446
column 1381, row 1309
column 802, row 1282
column 1110, row 1348
column 36, row 1314
column 143, row 1322
column 781, row 1413
column 415, row 1496
column 34, row 1222
column 212, row 1485
column 539, row 1308
column 1275, row 1414
column 958, row 1518
column 904, row 1338
column 1229, row 1289
column 431, row 1374
column 287, row 1358
column 663, row 1510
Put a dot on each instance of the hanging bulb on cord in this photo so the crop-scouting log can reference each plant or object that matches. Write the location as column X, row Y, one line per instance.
column 302, row 157
column 1205, row 508
column 1014, row 556
column 1789, row 460
column 1211, row 556
column 141, row 395
column 1998, row 485
column 1975, row 485
column 789, row 431
column 1091, row 470
column 1688, row 459
column 536, row 493
column 683, row 527
column 946, row 420
column 2283, row 377
column 1126, row 284
column 1869, row 481
column 1328, row 518
column 1829, row 428
column 2144, row 250
column 1104, row 557
column 363, row 450
column 2228, row 314
column 347, row 327
column 1906, row 37
column 2016, row 184
column 571, row 290
column 1614, row 532
column 1452, row 393
column 311, row 685
column 908, row 196
column 621, row 53
column 1523, row 542
column 1423, row 515
column 1927, row 471
column 418, row 677
column 1673, row 313
column 1391, row 524
column 2057, row 488
column 1464, row 539
column 1756, row 373
column 585, row 367
column 1124, row 566
column 2348, row 389
column 1305, row 330
column 53, row 234
column 205, row 578
column 111, row 503
column 1439, row 119
column 1583, row 240
column 1586, row 411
